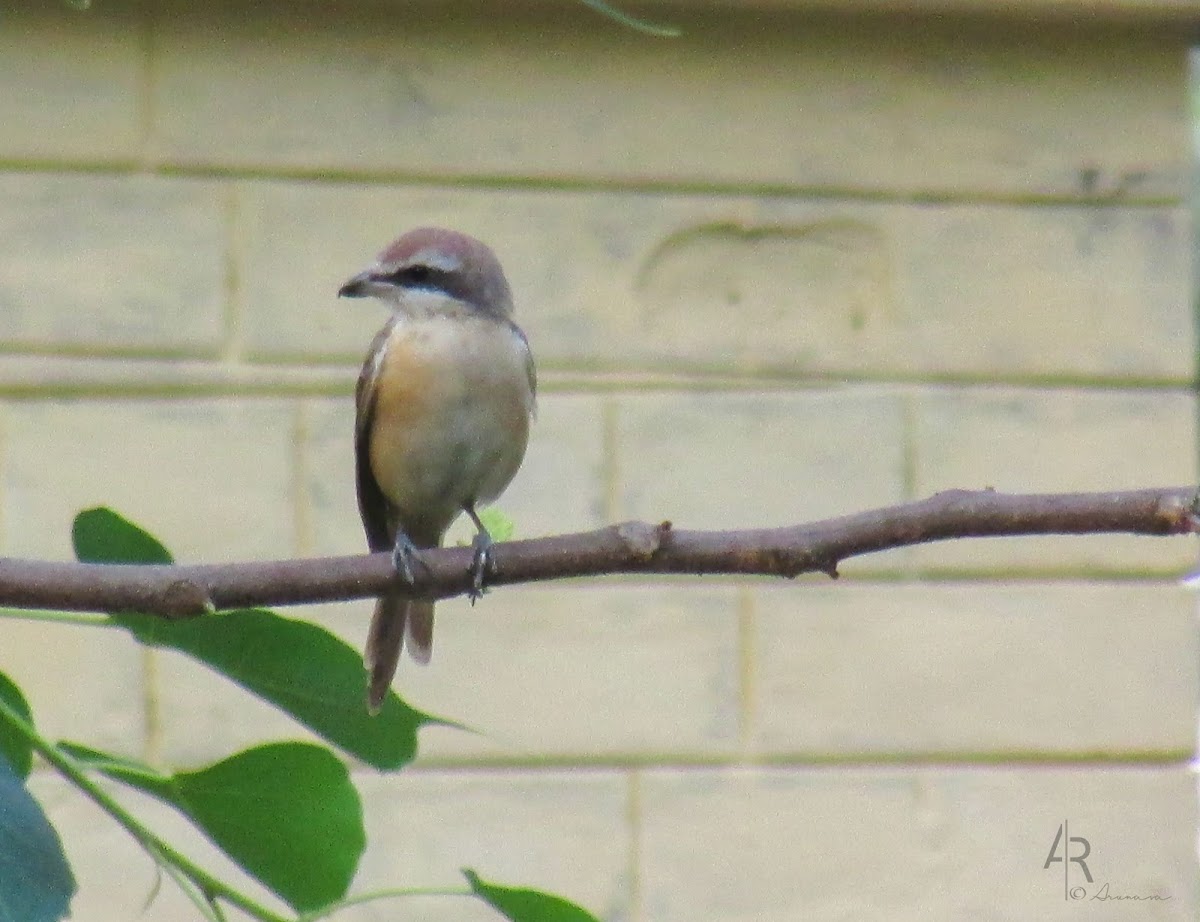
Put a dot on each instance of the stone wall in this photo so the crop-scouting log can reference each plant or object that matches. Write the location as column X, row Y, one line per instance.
column 787, row 266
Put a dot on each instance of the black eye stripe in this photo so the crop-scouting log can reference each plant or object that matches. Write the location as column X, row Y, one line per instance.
column 419, row 275
column 430, row 278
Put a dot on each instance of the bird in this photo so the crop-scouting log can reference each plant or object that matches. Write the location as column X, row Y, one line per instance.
column 443, row 408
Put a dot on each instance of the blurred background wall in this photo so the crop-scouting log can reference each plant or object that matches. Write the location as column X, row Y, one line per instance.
column 806, row 259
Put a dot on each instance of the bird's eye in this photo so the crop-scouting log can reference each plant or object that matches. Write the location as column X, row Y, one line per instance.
column 416, row 275
column 411, row 276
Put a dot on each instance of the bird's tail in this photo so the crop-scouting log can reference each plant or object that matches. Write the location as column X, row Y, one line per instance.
column 398, row 622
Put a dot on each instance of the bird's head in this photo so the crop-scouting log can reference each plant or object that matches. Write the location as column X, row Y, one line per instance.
column 432, row 261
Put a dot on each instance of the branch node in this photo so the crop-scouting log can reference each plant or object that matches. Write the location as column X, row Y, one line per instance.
column 184, row 598
column 640, row 539
column 1191, row 511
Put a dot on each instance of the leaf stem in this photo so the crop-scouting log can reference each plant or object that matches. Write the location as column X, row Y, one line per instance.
column 88, row 619
column 326, row 911
column 632, row 22
column 188, row 887
column 210, row 887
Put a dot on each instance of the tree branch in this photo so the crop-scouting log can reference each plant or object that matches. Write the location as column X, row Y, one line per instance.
column 632, row 547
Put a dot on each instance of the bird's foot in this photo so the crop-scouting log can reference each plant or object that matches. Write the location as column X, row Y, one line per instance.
column 481, row 562
column 405, row 558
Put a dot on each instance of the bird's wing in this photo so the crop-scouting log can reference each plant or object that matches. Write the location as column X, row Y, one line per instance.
column 372, row 504
column 530, row 367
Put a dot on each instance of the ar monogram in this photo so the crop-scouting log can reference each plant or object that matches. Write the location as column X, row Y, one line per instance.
column 1066, row 840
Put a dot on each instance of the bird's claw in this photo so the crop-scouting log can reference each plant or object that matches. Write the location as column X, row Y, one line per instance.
column 481, row 563
column 404, row 556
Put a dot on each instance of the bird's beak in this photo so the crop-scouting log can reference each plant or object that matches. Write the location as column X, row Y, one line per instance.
column 357, row 287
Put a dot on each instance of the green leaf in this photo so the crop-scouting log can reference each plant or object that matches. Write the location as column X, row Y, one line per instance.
column 14, row 746
column 102, row 536
column 523, row 905
column 499, row 526
column 286, row 812
column 298, row 666
column 112, row 765
column 36, row 884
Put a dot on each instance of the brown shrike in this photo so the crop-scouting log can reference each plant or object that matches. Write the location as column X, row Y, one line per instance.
column 443, row 406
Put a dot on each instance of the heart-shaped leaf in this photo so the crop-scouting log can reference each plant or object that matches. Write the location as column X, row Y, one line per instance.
column 14, row 746
column 101, row 535
column 36, row 884
column 286, row 812
column 521, row 904
column 298, row 666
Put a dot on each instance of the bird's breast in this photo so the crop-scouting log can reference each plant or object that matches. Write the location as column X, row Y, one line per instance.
column 451, row 418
